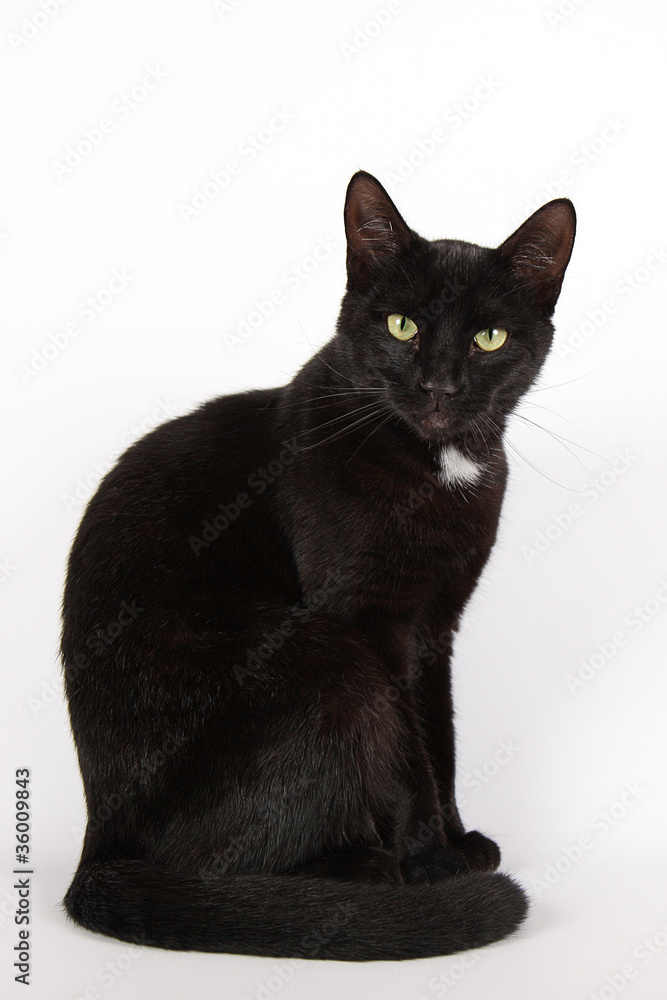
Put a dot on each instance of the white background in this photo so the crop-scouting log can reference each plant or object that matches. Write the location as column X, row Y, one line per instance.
column 523, row 98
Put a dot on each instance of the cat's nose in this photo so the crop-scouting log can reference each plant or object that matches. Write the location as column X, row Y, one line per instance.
column 439, row 389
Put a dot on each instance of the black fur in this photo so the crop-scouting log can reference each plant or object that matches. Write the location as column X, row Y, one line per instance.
column 258, row 621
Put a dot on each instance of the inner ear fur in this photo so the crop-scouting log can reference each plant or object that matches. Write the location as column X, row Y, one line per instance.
column 539, row 250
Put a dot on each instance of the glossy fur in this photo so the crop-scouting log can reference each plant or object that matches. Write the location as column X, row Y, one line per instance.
column 258, row 621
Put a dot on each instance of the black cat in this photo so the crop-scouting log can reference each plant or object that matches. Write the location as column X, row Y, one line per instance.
column 259, row 612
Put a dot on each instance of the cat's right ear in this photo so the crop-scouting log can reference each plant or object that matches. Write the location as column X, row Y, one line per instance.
column 374, row 227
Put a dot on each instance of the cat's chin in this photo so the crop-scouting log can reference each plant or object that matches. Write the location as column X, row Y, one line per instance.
column 437, row 423
column 436, row 428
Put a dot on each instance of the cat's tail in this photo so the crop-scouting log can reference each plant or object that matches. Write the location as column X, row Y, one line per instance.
column 285, row 916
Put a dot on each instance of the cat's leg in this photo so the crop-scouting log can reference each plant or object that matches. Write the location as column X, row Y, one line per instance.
column 428, row 835
column 433, row 698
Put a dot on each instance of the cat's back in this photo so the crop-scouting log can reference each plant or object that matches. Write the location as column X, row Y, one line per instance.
column 185, row 460
column 188, row 500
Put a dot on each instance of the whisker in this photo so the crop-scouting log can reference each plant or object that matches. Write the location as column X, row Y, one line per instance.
column 537, row 469
column 306, row 403
column 323, row 406
column 541, row 472
column 381, row 424
column 549, row 410
column 340, row 374
column 335, row 420
column 287, row 375
column 342, row 431
column 560, row 439
column 559, row 385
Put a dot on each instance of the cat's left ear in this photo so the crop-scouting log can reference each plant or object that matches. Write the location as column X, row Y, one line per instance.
column 539, row 250
column 374, row 227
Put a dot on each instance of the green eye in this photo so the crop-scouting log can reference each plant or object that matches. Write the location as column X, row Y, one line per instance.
column 401, row 327
column 491, row 339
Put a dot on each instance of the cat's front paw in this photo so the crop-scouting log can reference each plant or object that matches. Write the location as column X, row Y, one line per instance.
column 468, row 852
column 475, row 852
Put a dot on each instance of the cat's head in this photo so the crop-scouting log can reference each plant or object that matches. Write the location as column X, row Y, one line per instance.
column 454, row 333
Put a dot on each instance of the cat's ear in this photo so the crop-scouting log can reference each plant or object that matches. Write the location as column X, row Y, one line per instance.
column 374, row 227
column 539, row 250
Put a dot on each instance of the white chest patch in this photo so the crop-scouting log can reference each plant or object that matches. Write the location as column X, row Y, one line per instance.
column 454, row 468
